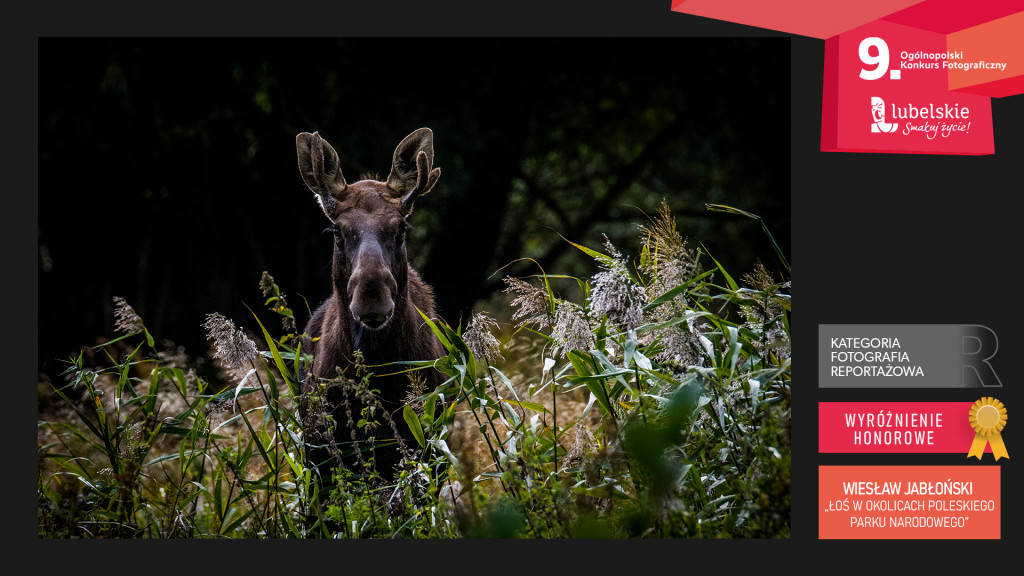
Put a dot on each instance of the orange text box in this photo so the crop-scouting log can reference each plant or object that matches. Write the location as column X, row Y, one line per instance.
column 908, row 502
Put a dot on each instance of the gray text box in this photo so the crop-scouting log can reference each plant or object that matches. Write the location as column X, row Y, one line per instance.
column 906, row 356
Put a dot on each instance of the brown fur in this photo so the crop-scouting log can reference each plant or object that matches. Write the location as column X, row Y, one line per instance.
column 375, row 296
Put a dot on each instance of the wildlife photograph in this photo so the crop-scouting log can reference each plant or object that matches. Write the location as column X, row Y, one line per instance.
column 413, row 288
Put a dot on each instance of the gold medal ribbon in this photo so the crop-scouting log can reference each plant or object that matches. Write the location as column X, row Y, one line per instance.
column 988, row 418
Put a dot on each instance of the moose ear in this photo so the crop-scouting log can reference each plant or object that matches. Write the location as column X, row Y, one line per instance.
column 404, row 169
column 320, row 168
column 411, row 174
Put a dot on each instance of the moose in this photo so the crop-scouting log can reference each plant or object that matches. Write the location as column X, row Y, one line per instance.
column 373, row 306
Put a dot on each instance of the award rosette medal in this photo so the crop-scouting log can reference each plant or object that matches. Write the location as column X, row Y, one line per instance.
column 988, row 418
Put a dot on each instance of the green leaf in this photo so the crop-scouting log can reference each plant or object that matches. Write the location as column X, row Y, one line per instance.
column 165, row 457
column 579, row 363
column 295, row 533
column 686, row 317
column 642, row 361
column 460, row 345
column 629, row 349
column 505, row 379
column 182, row 464
column 734, row 348
column 238, row 521
column 428, row 407
column 603, row 258
column 74, row 406
column 596, row 388
column 109, row 342
column 241, row 385
column 256, row 439
column 297, row 362
column 601, row 335
column 449, row 415
column 136, row 400
column 443, row 447
column 528, row 405
column 698, row 487
column 409, row 415
column 227, row 422
column 179, row 378
column 616, row 373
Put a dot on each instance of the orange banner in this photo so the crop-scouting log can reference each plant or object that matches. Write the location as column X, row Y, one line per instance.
column 908, row 502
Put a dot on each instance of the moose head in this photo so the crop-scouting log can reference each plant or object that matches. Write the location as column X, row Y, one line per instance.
column 368, row 219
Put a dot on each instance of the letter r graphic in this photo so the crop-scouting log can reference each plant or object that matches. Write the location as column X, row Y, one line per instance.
column 979, row 346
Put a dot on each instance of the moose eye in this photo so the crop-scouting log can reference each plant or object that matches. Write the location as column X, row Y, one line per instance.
column 333, row 230
column 402, row 228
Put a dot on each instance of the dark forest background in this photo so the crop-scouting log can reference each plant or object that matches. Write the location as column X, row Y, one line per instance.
column 167, row 169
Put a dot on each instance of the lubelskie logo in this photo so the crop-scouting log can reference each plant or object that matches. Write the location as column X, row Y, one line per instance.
column 878, row 117
column 931, row 120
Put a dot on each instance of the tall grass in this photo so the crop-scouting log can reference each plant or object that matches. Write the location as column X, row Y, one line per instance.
column 649, row 400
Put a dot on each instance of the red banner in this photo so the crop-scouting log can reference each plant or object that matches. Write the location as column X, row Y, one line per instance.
column 895, row 427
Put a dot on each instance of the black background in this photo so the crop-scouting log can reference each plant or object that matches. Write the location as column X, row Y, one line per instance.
column 875, row 239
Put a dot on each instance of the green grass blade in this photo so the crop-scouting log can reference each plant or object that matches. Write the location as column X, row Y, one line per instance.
column 764, row 227
column 732, row 283
column 437, row 331
column 278, row 361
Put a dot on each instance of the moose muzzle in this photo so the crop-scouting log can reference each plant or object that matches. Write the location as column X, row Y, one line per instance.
column 372, row 288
